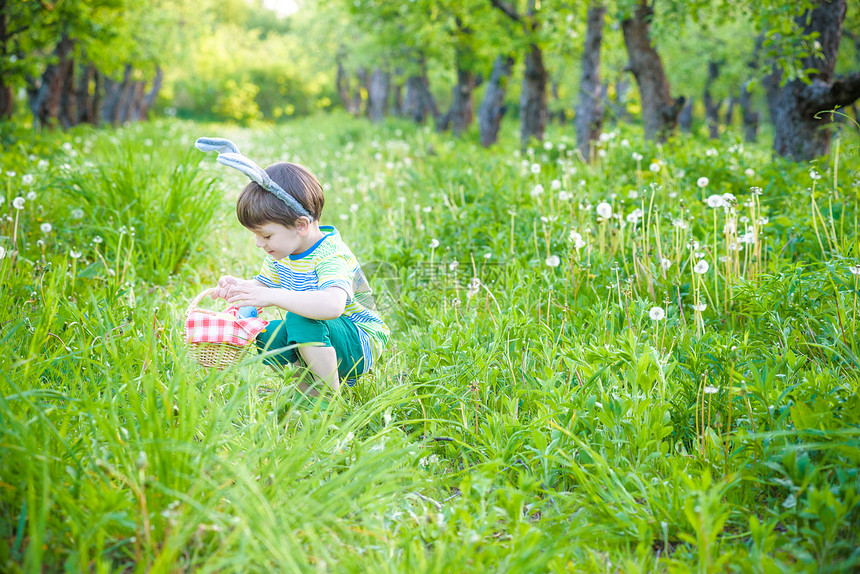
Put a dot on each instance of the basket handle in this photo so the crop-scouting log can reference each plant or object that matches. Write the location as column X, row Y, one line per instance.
column 194, row 302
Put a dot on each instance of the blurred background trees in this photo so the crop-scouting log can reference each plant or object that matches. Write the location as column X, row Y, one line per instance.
column 463, row 65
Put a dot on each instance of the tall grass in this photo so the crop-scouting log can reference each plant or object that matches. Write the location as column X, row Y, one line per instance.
column 534, row 413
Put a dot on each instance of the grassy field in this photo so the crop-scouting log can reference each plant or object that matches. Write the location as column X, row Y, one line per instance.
column 647, row 364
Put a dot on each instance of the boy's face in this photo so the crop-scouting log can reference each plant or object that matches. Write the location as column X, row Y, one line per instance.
column 280, row 241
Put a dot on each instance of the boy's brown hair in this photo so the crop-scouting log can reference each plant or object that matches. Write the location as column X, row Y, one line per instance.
column 257, row 207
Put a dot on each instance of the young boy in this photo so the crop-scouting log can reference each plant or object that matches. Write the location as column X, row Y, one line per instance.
column 310, row 273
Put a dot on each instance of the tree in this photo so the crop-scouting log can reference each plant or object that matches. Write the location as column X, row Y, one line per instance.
column 659, row 110
column 533, row 110
column 589, row 111
column 493, row 106
column 801, row 131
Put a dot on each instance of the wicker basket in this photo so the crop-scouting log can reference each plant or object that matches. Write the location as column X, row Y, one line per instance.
column 218, row 355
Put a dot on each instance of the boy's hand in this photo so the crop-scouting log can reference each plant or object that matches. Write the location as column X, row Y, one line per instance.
column 242, row 294
column 224, row 285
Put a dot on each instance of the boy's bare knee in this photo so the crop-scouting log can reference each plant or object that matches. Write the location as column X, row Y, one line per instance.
column 322, row 362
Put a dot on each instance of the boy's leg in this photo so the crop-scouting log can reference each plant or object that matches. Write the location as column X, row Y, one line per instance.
column 337, row 355
column 322, row 362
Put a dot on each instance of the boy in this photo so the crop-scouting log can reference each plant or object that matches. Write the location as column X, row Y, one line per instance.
column 309, row 272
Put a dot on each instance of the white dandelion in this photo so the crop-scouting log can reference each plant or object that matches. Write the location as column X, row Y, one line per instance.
column 46, row 227
column 715, row 201
column 657, row 313
column 18, row 202
column 701, row 267
column 553, row 261
column 703, row 182
column 700, row 307
column 665, row 264
column 604, row 210
column 434, row 243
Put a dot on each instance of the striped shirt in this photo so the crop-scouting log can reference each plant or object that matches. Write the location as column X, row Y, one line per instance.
column 330, row 263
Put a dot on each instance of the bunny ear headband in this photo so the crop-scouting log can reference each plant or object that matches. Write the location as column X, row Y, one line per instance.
column 228, row 154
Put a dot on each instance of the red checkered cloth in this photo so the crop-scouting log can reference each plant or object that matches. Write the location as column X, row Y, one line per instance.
column 209, row 327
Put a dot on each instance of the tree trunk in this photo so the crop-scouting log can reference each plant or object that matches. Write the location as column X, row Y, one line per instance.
column 98, row 98
column 533, row 96
column 136, row 101
column 659, row 110
column 730, row 111
column 84, row 99
column 589, row 110
column 341, row 81
column 493, row 106
column 377, row 95
column 418, row 102
column 45, row 104
column 152, row 94
column 68, row 110
column 7, row 101
column 397, row 93
column 533, row 112
column 357, row 97
column 712, row 107
column 110, row 103
column 798, row 134
column 685, row 118
column 460, row 114
column 125, row 95
column 749, row 116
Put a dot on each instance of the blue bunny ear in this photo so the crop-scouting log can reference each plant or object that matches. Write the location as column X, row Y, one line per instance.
column 220, row 145
column 259, row 175
column 246, row 166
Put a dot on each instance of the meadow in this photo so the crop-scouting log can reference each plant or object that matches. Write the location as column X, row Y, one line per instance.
column 645, row 364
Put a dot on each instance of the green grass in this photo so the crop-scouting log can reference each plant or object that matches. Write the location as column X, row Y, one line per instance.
column 530, row 415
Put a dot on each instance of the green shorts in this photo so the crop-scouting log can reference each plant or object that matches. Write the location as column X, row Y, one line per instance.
column 340, row 333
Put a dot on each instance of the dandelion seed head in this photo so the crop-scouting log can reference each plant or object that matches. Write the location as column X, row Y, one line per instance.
column 434, row 243
column 749, row 172
column 537, row 190
column 2, row 252
column 27, row 179
column 701, row 267
column 657, row 313
column 77, row 213
column 854, row 269
column 46, row 227
column 637, row 156
column 710, row 390
column 18, row 202
column 553, row 261
column 654, row 167
column 74, row 254
column 702, row 182
column 604, row 210
column 665, row 264
column 555, row 185
column 535, row 168
column 700, row 307
column 715, row 201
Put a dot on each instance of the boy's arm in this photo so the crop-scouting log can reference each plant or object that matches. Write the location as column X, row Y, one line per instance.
column 325, row 304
